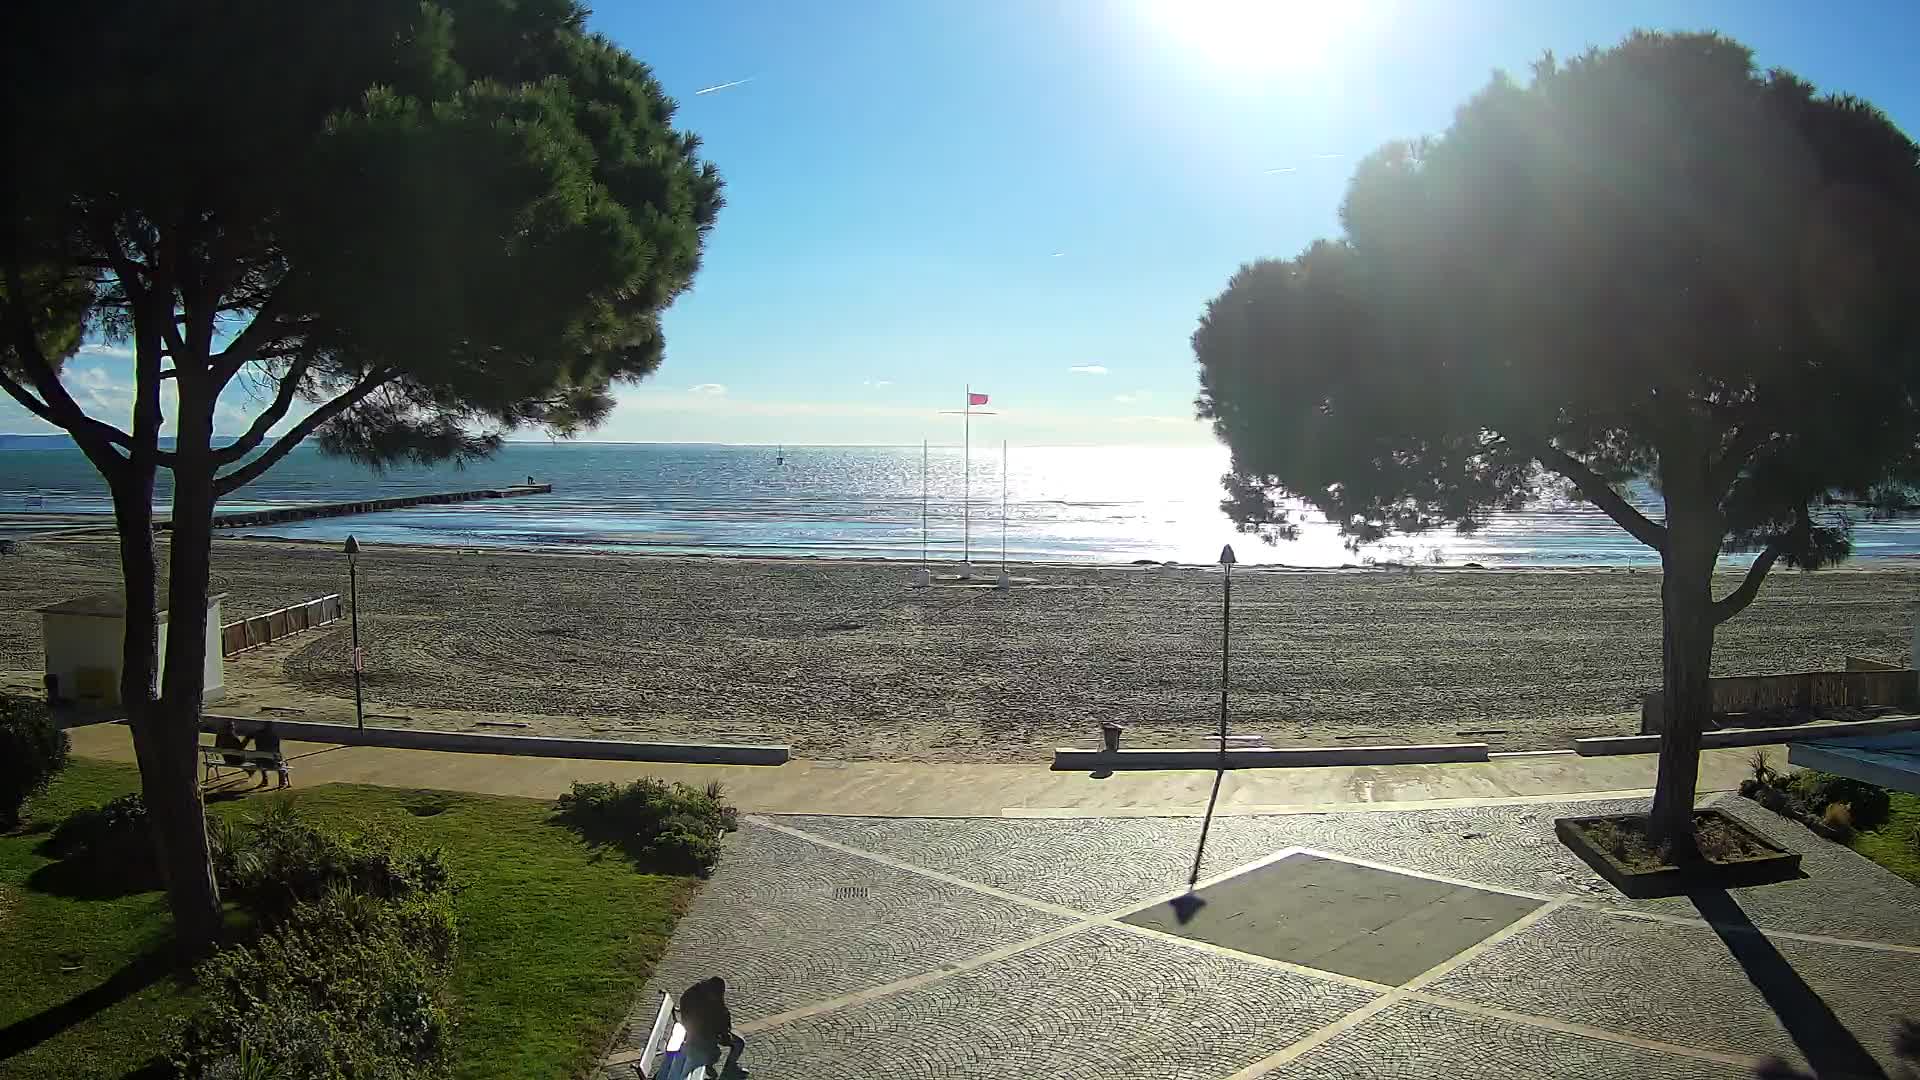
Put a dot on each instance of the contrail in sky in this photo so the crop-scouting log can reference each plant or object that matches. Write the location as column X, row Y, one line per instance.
column 717, row 87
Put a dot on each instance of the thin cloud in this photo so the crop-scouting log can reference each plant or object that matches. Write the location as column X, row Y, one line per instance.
column 1088, row 369
column 1129, row 399
column 1057, row 254
column 113, row 352
column 1288, row 169
column 1325, row 157
column 876, row 384
column 717, row 87
column 712, row 389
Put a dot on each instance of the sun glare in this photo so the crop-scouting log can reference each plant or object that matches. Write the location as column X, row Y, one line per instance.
column 1253, row 35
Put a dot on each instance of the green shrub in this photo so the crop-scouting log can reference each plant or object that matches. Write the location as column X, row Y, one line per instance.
column 32, row 749
column 345, row 986
column 115, row 840
column 277, row 861
column 1869, row 805
column 674, row 828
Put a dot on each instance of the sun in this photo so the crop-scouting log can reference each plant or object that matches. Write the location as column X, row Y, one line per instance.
column 1252, row 34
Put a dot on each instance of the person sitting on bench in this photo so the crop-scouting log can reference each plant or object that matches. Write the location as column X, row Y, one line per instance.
column 267, row 740
column 228, row 738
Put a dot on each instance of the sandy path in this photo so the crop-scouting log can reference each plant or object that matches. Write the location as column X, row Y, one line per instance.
column 844, row 660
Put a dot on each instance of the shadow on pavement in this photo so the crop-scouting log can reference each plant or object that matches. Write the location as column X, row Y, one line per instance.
column 1830, row 1049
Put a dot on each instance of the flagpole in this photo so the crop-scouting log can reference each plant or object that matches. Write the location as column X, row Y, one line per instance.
column 966, row 488
column 1003, row 507
column 923, row 502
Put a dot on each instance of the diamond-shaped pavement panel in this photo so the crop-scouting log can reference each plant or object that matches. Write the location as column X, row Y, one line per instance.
column 1339, row 916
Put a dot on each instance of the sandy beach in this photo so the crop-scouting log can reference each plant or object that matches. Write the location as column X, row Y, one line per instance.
column 844, row 660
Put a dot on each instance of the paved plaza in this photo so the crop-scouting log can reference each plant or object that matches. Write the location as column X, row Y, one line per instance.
column 1442, row 942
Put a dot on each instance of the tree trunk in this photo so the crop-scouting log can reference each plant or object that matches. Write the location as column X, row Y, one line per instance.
column 181, row 827
column 1686, row 655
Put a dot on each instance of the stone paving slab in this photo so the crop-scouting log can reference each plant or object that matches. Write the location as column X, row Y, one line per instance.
column 1417, row 1041
column 1340, row 916
column 1683, row 984
column 778, row 924
column 1844, row 894
column 1100, row 1003
column 1100, row 864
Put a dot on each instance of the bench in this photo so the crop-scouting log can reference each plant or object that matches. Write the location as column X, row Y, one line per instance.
column 214, row 760
column 660, row 1058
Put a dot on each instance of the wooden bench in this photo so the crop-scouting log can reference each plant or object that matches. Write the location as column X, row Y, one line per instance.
column 215, row 760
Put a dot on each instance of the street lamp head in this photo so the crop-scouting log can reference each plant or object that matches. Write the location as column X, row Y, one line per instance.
column 1226, row 555
column 353, row 546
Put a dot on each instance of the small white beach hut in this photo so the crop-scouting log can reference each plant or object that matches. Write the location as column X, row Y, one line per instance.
column 83, row 639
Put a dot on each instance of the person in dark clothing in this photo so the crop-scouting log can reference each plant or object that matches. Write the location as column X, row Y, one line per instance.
column 268, row 740
column 228, row 738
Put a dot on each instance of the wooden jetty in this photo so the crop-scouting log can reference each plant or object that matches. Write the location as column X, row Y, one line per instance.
column 248, row 518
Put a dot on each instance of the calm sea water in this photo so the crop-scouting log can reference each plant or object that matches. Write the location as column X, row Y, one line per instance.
column 1063, row 504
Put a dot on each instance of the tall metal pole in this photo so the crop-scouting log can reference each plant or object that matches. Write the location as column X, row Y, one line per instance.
column 1226, row 633
column 1003, row 506
column 923, row 502
column 966, row 483
column 353, row 594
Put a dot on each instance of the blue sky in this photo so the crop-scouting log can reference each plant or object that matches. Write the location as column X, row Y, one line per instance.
column 1039, row 196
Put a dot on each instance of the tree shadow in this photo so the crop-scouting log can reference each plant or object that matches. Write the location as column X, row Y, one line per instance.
column 89, row 878
column 138, row 974
column 1830, row 1049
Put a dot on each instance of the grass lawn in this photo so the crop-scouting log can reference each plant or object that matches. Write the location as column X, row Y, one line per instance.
column 1890, row 844
column 555, row 940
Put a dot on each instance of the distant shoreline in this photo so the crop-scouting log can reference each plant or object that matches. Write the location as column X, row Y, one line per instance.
column 985, row 569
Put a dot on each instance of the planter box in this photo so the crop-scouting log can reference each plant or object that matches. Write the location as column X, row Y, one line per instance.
column 1778, row 864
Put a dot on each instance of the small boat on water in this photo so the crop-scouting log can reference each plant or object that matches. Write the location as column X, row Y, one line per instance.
column 780, row 455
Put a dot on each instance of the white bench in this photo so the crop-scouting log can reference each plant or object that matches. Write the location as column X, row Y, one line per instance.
column 660, row 1058
column 215, row 760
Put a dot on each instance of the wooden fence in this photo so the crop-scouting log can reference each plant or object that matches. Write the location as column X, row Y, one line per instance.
column 1816, row 690
column 237, row 637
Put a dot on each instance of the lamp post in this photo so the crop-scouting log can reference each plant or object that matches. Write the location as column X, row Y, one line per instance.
column 1188, row 904
column 1226, row 631
column 353, row 598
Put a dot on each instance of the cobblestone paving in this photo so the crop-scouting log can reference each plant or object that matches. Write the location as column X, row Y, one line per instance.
column 1681, row 984
column 1417, row 1041
column 1100, row 1003
column 771, row 923
column 795, row 926
column 1842, row 895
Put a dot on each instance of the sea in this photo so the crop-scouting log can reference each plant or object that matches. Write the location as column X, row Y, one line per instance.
column 1048, row 504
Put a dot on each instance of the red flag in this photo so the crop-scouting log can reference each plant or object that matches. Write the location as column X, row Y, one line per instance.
column 976, row 399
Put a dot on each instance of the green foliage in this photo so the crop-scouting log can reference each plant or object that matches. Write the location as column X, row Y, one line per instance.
column 1651, row 260
column 1868, row 805
column 278, row 860
column 475, row 203
column 674, row 828
column 346, row 985
column 32, row 750
column 554, row 944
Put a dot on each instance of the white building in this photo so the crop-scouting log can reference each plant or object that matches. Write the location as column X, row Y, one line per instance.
column 85, row 639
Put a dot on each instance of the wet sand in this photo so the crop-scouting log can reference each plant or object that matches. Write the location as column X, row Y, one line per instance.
column 846, row 661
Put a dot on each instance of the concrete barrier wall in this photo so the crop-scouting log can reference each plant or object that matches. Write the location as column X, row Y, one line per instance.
column 1805, row 690
column 468, row 742
column 1070, row 759
column 1764, row 736
column 1862, row 663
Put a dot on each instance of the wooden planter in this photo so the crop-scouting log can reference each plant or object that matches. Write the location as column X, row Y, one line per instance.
column 1778, row 864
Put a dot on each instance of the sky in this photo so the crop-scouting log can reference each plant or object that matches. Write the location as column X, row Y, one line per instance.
column 1036, row 198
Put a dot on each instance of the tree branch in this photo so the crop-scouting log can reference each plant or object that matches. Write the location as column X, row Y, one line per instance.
column 246, row 474
column 1736, row 601
column 275, row 412
column 54, row 405
column 1601, row 494
column 246, row 346
column 1747, row 439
